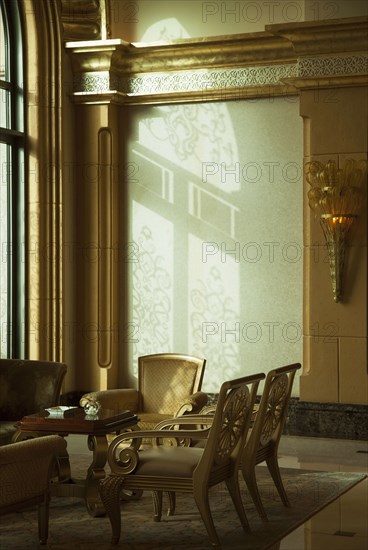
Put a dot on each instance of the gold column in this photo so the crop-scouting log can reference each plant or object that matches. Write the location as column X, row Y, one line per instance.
column 97, row 235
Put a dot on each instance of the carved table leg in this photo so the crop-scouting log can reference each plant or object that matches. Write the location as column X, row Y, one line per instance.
column 96, row 472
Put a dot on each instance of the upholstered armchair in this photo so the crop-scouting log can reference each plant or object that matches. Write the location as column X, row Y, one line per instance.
column 26, row 387
column 25, row 472
column 266, row 431
column 168, row 386
column 178, row 467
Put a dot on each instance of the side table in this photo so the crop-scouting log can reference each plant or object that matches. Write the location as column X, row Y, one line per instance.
column 75, row 421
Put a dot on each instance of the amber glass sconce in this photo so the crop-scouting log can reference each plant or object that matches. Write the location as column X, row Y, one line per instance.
column 336, row 196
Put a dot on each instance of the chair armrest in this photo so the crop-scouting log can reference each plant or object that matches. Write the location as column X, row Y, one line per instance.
column 124, row 459
column 160, row 434
column 210, row 410
column 193, row 404
column 26, row 469
column 187, row 420
column 116, row 400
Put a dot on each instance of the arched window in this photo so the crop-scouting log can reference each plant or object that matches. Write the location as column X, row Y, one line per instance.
column 12, row 223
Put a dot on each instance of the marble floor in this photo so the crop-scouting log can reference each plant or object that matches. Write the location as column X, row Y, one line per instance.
column 343, row 525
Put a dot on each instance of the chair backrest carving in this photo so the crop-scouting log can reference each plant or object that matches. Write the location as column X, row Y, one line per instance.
column 233, row 420
column 275, row 406
column 267, row 428
column 272, row 412
column 230, row 424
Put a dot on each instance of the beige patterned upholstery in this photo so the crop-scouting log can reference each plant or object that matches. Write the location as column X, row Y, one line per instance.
column 25, row 471
column 168, row 386
column 264, row 438
column 26, row 387
column 177, row 467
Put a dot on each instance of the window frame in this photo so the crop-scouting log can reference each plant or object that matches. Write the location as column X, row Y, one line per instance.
column 13, row 136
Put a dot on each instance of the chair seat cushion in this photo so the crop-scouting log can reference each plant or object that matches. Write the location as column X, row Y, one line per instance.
column 169, row 461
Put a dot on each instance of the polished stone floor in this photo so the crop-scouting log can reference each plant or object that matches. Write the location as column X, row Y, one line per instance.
column 343, row 525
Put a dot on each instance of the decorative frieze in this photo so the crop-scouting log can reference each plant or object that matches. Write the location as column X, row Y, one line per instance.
column 184, row 81
column 97, row 83
column 312, row 67
column 187, row 81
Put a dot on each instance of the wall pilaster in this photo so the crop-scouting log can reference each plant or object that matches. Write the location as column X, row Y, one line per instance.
column 97, row 237
column 335, row 334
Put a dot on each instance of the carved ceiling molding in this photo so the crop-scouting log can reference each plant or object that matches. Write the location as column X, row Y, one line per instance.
column 325, row 37
column 279, row 61
column 84, row 19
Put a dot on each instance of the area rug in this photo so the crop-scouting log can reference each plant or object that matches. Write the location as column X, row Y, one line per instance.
column 71, row 528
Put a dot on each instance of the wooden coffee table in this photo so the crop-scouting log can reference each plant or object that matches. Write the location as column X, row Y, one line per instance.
column 75, row 421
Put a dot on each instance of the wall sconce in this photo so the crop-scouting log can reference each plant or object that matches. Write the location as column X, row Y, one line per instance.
column 336, row 196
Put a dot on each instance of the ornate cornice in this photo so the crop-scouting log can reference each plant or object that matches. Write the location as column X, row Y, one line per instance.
column 221, row 51
column 226, row 51
column 279, row 61
column 325, row 37
column 86, row 20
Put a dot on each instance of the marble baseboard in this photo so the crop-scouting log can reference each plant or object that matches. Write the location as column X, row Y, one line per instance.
column 330, row 420
column 335, row 420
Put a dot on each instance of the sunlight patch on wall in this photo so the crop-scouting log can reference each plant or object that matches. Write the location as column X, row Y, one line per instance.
column 200, row 138
column 152, row 282
column 165, row 30
column 213, row 298
column 217, row 206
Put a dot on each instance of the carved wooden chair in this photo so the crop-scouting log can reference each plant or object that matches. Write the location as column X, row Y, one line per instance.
column 267, row 427
column 26, row 468
column 168, row 386
column 175, row 467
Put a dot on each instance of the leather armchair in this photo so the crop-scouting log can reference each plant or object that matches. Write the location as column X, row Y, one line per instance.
column 26, row 387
